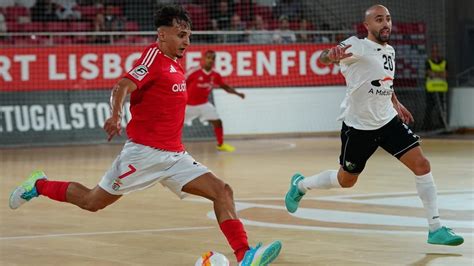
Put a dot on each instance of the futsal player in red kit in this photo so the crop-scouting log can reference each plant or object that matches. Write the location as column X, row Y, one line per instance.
column 154, row 151
column 200, row 81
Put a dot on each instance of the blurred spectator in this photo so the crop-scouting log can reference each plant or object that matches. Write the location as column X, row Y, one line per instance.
column 99, row 25
column 44, row 10
column 262, row 37
column 113, row 22
column 66, row 10
column 236, row 25
column 3, row 24
column 304, row 37
column 221, row 17
column 292, row 9
column 283, row 34
column 107, row 21
column 324, row 38
column 245, row 9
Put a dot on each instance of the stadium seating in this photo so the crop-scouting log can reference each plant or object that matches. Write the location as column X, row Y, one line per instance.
column 199, row 16
column 13, row 13
column 80, row 26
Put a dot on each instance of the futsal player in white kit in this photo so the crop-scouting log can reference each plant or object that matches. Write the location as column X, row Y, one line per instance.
column 373, row 117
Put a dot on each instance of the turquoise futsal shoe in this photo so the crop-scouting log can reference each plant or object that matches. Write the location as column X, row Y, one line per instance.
column 294, row 195
column 445, row 236
column 261, row 255
column 26, row 191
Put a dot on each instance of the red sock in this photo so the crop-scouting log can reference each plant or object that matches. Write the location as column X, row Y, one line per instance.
column 55, row 190
column 219, row 131
column 234, row 231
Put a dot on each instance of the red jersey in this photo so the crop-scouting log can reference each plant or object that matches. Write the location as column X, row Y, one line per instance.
column 200, row 83
column 158, row 104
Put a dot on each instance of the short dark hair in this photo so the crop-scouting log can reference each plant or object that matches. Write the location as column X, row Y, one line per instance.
column 166, row 14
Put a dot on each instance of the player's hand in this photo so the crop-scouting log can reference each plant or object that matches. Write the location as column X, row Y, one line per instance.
column 113, row 127
column 404, row 114
column 337, row 53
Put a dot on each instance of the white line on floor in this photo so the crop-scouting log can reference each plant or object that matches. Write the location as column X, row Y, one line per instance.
column 108, row 233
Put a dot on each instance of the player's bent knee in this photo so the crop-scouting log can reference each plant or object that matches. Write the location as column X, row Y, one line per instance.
column 229, row 193
column 348, row 181
column 422, row 166
column 225, row 194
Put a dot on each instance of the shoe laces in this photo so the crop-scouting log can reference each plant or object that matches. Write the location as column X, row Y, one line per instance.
column 27, row 195
column 449, row 230
column 258, row 246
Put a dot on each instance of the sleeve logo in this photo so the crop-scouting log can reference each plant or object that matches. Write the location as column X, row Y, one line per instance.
column 139, row 72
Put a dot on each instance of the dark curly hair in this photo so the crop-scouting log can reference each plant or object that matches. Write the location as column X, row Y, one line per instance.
column 166, row 14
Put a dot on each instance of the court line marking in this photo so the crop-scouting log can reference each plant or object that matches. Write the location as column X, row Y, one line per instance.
column 107, row 233
column 341, row 198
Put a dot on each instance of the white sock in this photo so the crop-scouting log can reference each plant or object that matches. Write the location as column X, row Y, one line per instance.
column 323, row 180
column 427, row 192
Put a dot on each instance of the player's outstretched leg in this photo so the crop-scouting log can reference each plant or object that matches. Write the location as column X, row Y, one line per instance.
column 219, row 133
column 261, row 255
column 445, row 236
column 294, row 195
column 26, row 190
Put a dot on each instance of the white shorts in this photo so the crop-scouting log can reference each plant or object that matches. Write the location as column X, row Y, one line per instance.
column 138, row 167
column 204, row 112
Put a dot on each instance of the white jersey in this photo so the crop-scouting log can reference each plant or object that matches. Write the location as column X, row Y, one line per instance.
column 369, row 75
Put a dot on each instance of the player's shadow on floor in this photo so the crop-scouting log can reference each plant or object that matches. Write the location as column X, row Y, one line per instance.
column 432, row 256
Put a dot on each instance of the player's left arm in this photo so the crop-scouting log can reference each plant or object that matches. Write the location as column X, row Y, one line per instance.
column 231, row 90
column 402, row 111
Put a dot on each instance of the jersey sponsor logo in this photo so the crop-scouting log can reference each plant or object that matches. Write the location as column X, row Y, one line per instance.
column 382, row 91
column 379, row 82
column 179, row 87
column 139, row 72
column 172, row 69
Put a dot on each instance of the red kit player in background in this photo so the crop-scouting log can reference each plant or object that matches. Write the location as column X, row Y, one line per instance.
column 154, row 151
column 200, row 81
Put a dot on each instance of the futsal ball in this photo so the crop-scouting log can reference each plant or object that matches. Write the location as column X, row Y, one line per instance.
column 212, row 258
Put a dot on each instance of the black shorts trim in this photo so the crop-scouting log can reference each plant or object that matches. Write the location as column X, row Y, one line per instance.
column 399, row 154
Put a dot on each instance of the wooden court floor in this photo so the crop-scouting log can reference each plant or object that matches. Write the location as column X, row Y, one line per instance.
column 378, row 222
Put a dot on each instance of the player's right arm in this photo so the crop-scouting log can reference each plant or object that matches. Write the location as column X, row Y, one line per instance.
column 117, row 98
column 334, row 54
column 132, row 80
column 347, row 52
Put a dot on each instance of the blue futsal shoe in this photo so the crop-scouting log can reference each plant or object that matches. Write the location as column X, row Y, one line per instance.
column 445, row 236
column 294, row 195
column 261, row 255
